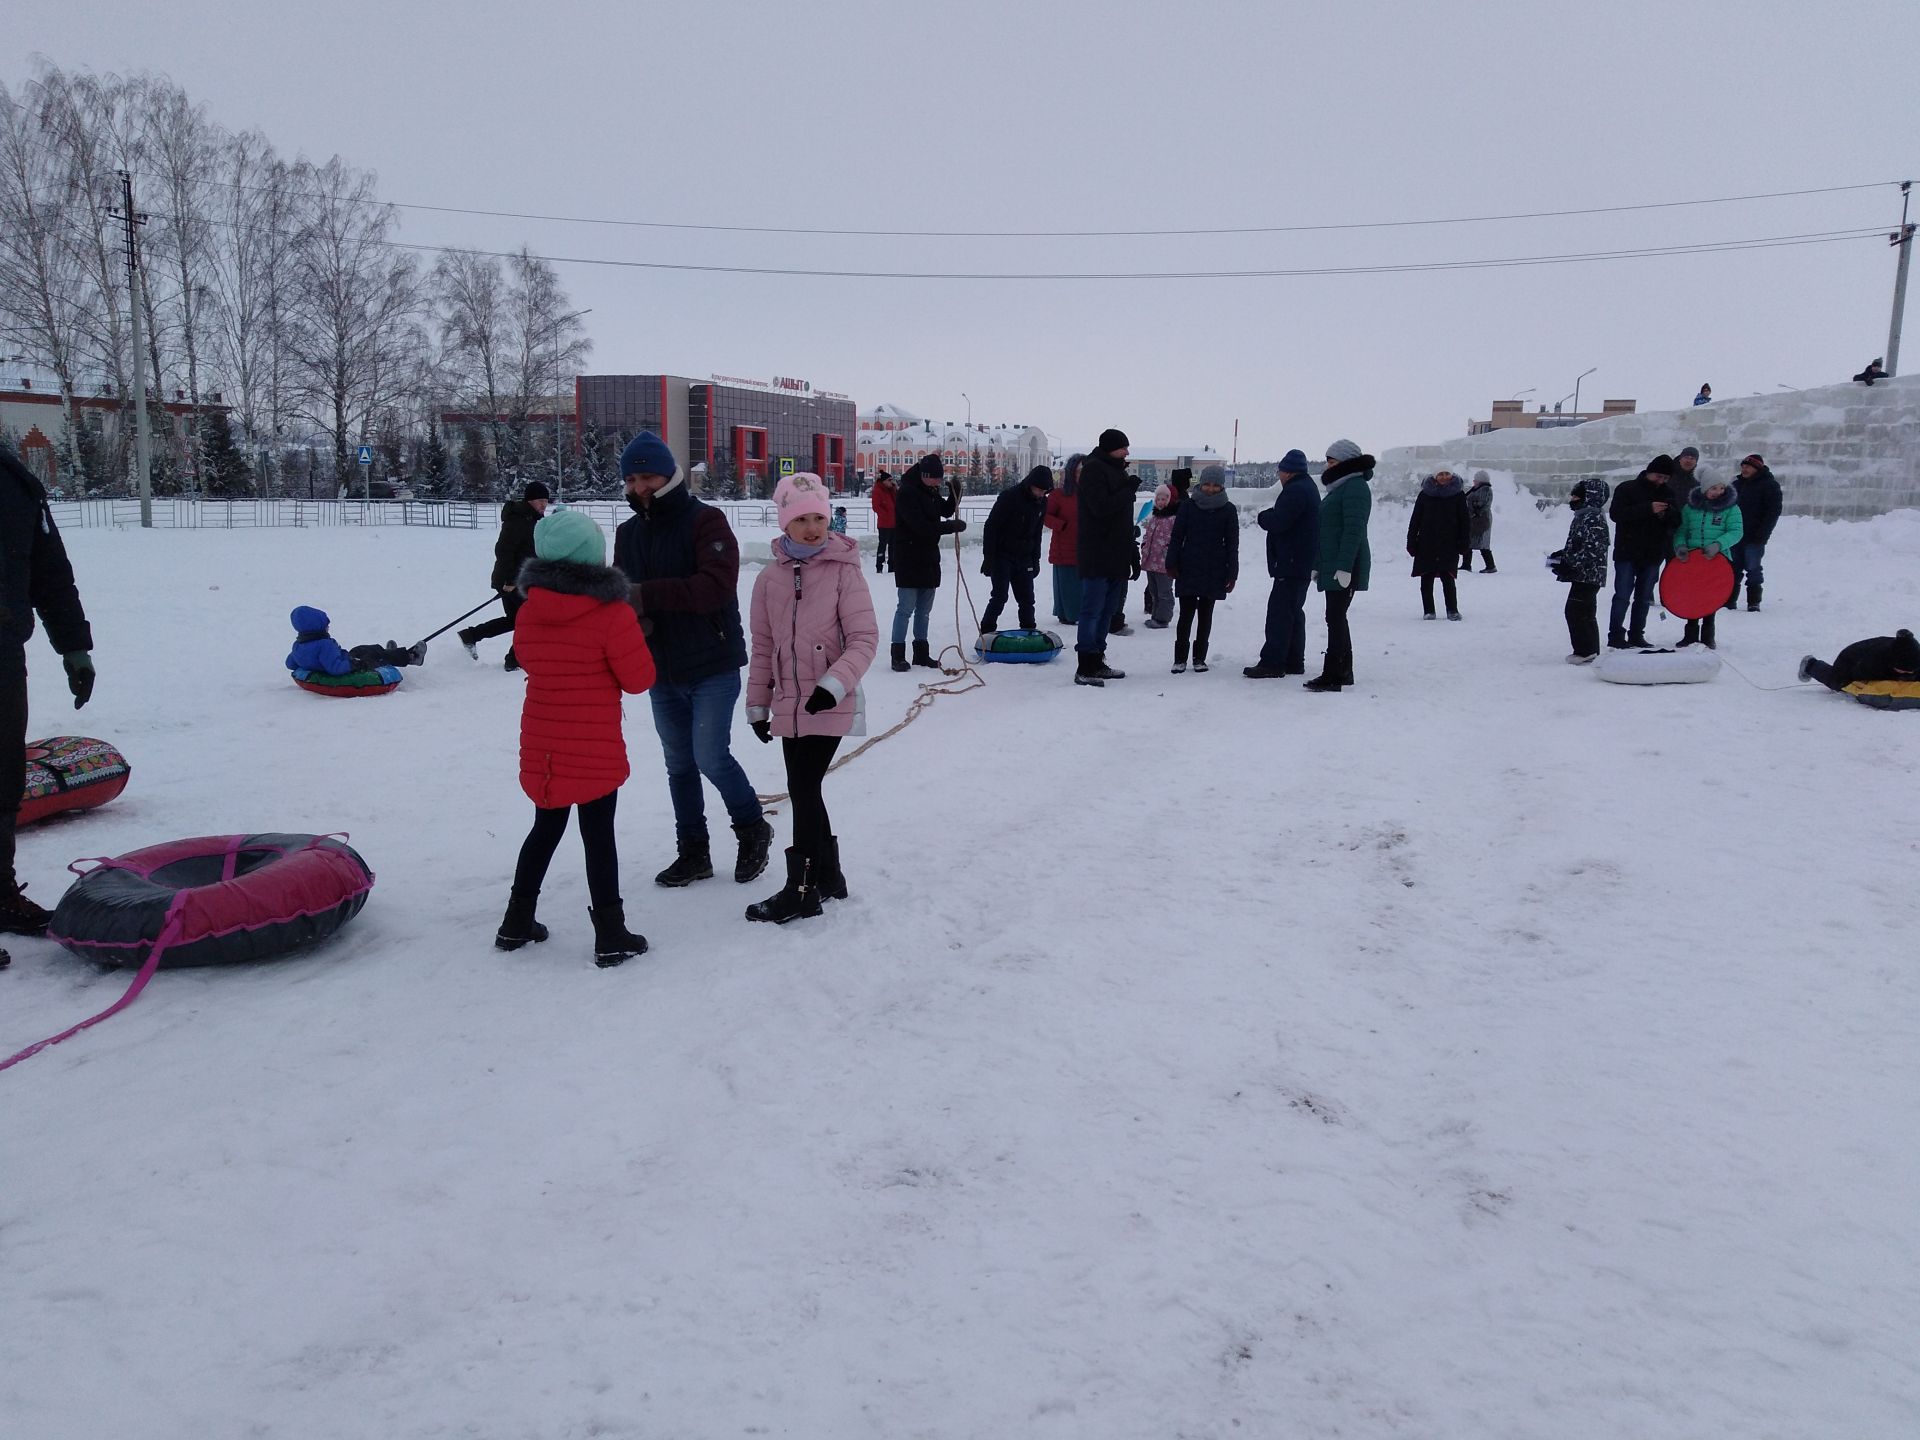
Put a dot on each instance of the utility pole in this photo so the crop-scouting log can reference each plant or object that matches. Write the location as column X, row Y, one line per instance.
column 142, row 439
column 1903, row 238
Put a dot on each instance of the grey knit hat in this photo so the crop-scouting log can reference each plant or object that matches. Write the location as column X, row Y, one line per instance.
column 1212, row 475
column 1343, row 450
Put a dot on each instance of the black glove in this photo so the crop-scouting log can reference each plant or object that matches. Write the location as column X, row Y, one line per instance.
column 79, row 676
column 821, row 699
column 954, row 527
column 762, row 728
column 1136, row 571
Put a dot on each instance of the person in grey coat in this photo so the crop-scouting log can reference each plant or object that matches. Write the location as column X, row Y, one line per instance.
column 1479, row 525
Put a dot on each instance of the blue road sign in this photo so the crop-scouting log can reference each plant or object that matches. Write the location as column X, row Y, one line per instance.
column 366, row 455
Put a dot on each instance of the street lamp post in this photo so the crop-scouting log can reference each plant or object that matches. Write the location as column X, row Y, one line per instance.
column 559, row 469
column 964, row 396
column 1576, row 386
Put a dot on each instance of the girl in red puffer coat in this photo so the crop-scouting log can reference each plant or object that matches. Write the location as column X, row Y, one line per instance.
column 579, row 642
column 814, row 636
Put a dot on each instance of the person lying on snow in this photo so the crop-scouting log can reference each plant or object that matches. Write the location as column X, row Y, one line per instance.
column 314, row 649
column 1885, row 657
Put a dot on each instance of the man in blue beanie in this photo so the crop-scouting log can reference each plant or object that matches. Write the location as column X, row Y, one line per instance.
column 680, row 555
column 1292, row 524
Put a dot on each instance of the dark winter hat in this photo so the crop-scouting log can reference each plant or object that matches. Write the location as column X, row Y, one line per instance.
column 1180, row 478
column 647, row 454
column 1040, row 477
column 1660, row 465
column 536, row 490
column 1343, row 450
column 1758, row 462
column 1689, row 450
column 933, row 467
column 1905, row 652
column 1213, row 475
column 1111, row 440
column 1293, row 463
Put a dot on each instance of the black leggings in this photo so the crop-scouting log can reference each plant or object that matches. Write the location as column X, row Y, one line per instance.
column 500, row 624
column 807, row 760
column 596, row 834
column 1447, row 588
column 1583, row 618
column 13, row 748
column 1191, row 605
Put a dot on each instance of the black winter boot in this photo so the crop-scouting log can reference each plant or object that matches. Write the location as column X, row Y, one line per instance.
column 612, row 941
column 5, row 960
column 512, row 662
column 1638, row 641
column 756, row 844
column 1084, row 668
column 694, row 862
column 1616, row 640
column 1100, row 670
column 900, row 657
column 1179, row 657
column 1753, row 598
column 471, row 642
column 519, row 927
column 831, row 880
column 923, row 655
column 1200, row 657
column 18, row 914
column 798, row 899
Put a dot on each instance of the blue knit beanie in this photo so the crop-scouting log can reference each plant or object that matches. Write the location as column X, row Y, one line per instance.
column 570, row 535
column 1294, row 463
column 647, row 454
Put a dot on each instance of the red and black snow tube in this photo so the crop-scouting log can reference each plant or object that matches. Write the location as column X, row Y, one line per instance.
column 219, row 899
column 360, row 682
column 70, row 772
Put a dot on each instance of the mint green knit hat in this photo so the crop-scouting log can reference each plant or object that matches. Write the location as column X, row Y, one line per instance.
column 570, row 535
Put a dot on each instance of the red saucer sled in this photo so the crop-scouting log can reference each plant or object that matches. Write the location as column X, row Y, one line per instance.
column 70, row 772
column 1696, row 584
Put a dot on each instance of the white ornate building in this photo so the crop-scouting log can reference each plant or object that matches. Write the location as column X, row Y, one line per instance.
column 891, row 439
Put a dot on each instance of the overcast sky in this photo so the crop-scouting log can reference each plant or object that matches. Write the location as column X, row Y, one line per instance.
column 1029, row 115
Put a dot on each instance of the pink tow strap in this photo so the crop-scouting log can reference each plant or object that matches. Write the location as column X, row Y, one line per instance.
column 169, row 932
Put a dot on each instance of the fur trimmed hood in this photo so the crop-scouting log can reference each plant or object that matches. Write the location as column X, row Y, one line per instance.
column 570, row 577
column 1700, row 500
column 1432, row 486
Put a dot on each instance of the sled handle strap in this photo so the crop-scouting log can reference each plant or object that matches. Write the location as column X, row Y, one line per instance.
column 169, row 933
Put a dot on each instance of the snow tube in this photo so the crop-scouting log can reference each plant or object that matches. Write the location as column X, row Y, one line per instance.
column 224, row 898
column 360, row 682
column 70, row 772
column 1018, row 647
column 1887, row 694
column 1696, row 584
column 1658, row 667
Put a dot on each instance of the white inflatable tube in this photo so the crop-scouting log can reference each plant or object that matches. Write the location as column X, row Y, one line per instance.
column 1658, row 667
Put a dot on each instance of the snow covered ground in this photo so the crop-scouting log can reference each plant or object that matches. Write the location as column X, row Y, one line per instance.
column 1484, row 1052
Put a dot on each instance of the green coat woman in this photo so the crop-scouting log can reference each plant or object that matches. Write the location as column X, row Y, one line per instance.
column 1344, row 511
column 1710, row 522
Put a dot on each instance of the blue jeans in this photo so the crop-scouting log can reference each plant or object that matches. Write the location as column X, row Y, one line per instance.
column 918, row 604
column 695, row 724
column 1746, row 557
column 1286, row 647
column 1096, row 614
column 1635, row 583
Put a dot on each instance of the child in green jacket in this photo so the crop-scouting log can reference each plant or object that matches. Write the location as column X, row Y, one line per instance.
column 1710, row 522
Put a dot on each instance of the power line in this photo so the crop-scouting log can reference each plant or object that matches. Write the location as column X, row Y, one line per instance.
column 1080, row 234
column 1826, row 237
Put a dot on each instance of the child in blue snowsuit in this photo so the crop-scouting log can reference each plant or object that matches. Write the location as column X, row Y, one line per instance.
column 314, row 649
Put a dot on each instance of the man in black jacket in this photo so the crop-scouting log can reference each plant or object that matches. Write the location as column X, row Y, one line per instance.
column 1759, row 496
column 1645, row 516
column 1106, row 552
column 512, row 550
column 923, row 515
column 35, row 575
column 1011, row 546
column 1885, row 657
column 684, row 564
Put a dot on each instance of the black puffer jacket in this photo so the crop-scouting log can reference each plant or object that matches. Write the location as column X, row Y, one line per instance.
column 922, row 514
column 1583, row 561
column 1437, row 529
column 1640, row 536
column 1759, row 506
column 35, row 573
column 1011, row 540
column 1877, row 659
column 515, row 545
column 1106, row 550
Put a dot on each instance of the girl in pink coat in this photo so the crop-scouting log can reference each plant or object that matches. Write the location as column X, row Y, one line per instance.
column 814, row 636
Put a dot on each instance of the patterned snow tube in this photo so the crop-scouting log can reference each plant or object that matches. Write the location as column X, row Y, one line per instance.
column 1018, row 647
column 70, row 772
column 1658, row 667
column 230, row 898
column 1887, row 694
column 360, row 682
